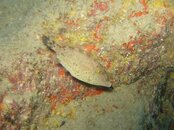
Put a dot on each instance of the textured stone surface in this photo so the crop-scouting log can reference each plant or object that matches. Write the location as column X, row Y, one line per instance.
column 133, row 41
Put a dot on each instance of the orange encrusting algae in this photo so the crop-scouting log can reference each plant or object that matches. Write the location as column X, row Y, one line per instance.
column 93, row 92
column 130, row 45
column 72, row 22
column 90, row 48
column 144, row 3
column 98, row 6
column 102, row 6
column 54, row 78
column 108, row 63
column 66, row 95
column 53, row 100
column 1, row 106
column 140, row 13
column 97, row 32
column 61, row 72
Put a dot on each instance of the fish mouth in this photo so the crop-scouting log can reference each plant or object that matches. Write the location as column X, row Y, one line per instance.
column 48, row 43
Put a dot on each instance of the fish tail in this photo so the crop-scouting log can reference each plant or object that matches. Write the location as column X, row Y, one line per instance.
column 48, row 43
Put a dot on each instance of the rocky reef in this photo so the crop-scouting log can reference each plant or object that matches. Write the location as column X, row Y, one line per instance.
column 131, row 40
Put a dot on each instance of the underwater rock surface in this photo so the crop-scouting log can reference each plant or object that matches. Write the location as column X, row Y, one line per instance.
column 132, row 41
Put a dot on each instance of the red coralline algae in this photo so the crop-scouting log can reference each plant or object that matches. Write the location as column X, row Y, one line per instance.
column 102, row 6
column 107, row 62
column 98, row 6
column 130, row 45
column 90, row 47
column 61, row 72
column 72, row 22
column 69, row 93
column 97, row 36
column 140, row 13
column 54, row 77
column 144, row 3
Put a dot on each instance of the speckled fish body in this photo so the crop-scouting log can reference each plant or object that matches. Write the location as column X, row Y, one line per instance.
column 80, row 65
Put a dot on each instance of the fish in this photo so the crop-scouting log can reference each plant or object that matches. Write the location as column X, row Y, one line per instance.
column 80, row 65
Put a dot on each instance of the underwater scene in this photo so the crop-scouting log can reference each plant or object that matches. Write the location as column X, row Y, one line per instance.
column 86, row 64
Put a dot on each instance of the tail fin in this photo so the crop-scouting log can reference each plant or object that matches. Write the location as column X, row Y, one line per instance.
column 48, row 43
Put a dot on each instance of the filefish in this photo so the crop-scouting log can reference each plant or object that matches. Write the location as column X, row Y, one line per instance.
column 79, row 64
